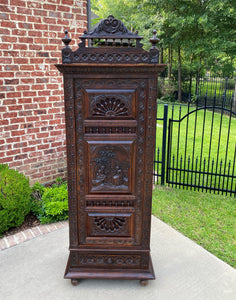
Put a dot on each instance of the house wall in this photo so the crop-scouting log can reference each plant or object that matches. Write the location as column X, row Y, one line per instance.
column 32, row 125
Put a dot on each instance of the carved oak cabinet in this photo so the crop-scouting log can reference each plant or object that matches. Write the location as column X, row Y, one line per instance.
column 110, row 90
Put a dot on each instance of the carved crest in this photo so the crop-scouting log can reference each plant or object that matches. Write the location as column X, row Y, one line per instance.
column 110, row 42
column 110, row 25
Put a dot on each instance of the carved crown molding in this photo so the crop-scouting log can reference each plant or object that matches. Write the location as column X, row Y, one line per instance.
column 110, row 42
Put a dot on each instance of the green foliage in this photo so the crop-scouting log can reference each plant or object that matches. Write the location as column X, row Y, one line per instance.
column 166, row 90
column 204, row 30
column 14, row 198
column 50, row 204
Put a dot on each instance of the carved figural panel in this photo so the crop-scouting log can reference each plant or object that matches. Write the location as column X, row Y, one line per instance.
column 110, row 167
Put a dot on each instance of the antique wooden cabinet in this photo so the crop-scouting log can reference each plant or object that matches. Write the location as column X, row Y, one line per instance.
column 110, row 90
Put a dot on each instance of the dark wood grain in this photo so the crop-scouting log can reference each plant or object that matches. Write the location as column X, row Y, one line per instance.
column 110, row 109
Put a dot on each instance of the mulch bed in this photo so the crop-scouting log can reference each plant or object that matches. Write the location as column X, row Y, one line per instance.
column 29, row 222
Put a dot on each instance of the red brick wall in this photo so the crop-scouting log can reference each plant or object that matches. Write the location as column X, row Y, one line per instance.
column 32, row 130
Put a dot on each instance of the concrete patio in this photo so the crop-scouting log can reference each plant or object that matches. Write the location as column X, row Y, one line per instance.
column 34, row 270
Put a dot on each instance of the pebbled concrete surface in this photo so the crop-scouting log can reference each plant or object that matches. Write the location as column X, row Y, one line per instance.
column 34, row 270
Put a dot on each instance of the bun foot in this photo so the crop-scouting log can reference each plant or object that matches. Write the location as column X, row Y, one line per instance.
column 74, row 282
column 144, row 282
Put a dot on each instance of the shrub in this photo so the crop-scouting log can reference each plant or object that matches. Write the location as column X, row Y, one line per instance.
column 14, row 198
column 50, row 204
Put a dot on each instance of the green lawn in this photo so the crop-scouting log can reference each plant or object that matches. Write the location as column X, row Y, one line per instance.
column 207, row 219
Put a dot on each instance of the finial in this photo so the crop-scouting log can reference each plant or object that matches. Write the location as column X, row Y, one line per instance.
column 66, row 40
column 154, row 40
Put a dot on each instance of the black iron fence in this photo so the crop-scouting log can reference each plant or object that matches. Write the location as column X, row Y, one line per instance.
column 195, row 147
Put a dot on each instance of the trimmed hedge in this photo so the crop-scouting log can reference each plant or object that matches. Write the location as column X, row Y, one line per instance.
column 15, row 201
column 50, row 204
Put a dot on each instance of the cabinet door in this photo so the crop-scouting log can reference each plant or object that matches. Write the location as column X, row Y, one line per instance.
column 111, row 146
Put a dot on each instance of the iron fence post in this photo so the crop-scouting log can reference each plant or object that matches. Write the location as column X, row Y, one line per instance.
column 163, row 165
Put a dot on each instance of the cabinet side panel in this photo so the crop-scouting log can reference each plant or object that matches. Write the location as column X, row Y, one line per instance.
column 149, row 155
column 71, row 157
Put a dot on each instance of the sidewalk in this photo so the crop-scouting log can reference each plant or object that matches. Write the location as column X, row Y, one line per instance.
column 34, row 270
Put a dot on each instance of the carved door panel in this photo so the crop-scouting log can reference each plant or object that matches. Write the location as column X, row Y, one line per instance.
column 113, row 146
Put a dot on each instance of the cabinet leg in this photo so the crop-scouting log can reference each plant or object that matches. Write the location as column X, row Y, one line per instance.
column 144, row 282
column 75, row 281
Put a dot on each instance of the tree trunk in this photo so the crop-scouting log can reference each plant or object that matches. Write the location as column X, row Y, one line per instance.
column 162, row 56
column 170, row 54
column 191, row 76
column 234, row 100
column 198, row 74
column 179, row 75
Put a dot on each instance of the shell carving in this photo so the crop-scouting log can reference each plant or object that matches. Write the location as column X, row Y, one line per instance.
column 110, row 107
column 109, row 224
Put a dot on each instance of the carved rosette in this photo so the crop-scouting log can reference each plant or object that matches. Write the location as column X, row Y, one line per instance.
column 109, row 224
column 110, row 106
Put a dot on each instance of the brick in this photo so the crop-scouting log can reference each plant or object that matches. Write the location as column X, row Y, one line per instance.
column 20, row 237
column 35, row 33
column 52, row 7
column 7, row 74
column 18, row 133
column 11, row 241
column 19, row 17
column 23, row 87
column 19, row 145
column 10, row 115
column 11, row 68
column 4, row 16
column 13, row 152
column 24, row 11
column 63, row 8
column 20, row 157
column 25, row 25
column 26, row 40
column 6, row 160
column 34, row 4
column 15, row 164
column 49, row 20
column 15, row 107
column 32, row 119
column 11, row 127
column 27, row 80
column 41, row 27
column 39, row 12
column 33, row 19
column 67, row 2
column 12, row 140
column 20, row 61
column 18, row 3
column 29, row 93
column 35, row 231
column 11, row 81
column 29, row 235
column 19, row 32
column 25, row 113
column 13, row 95
column 8, row 24
column 17, row 120
column 35, row 47
column 22, row 74
column 3, row 244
